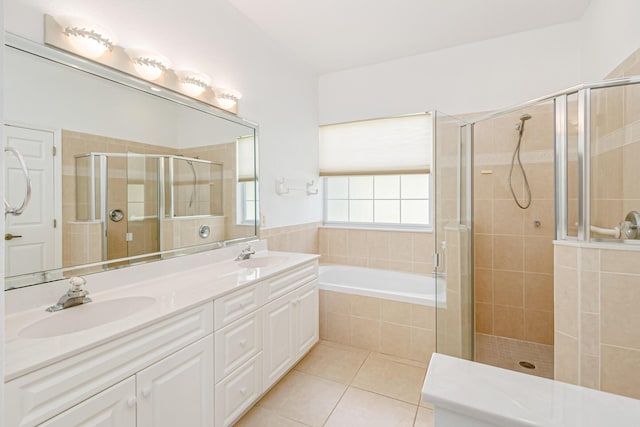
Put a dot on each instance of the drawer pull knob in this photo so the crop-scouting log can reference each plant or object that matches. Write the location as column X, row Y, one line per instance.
column 243, row 391
column 146, row 392
column 243, row 342
column 131, row 402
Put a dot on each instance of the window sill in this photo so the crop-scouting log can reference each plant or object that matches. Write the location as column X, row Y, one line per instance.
column 369, row 227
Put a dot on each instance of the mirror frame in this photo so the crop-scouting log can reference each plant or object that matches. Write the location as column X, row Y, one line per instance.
column 101, row 71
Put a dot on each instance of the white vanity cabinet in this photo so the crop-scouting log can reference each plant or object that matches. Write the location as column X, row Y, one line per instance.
column 71, row 383
column 177, row 390
column 290, row 330
column 114, row 407
column 279, row 326
column 203, row 367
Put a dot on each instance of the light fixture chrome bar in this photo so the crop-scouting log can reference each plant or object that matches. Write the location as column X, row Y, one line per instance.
column 584, row 136
column 561, row 179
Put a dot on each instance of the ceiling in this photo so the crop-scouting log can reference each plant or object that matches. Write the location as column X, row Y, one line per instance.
column 332, row 35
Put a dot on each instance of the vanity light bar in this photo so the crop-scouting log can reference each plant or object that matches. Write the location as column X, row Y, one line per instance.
column 91, row 41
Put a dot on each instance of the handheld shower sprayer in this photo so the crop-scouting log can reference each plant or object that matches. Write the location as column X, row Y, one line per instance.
column 516, row 155
column 520, row 126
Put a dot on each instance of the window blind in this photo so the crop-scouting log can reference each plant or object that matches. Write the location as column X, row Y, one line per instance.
column 245, row 158
column 396, row 145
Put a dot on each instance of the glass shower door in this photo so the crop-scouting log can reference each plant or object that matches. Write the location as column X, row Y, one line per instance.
column 452, row 236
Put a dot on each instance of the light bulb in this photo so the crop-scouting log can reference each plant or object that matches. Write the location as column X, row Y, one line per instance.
column 148, row 65
column 193, row 83
column 89, row 40
column 227, row 98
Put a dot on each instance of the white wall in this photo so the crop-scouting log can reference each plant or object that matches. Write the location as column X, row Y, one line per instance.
column 2, row 220
column 280, row 93
column 610, row 33
column 474, row 77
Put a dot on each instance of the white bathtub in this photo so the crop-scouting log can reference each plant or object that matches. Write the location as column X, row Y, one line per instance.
column 384, row 284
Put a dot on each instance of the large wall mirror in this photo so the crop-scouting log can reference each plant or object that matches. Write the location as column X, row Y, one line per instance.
column 121, row 172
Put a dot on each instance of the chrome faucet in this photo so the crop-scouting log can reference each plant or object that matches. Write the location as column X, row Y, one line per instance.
column 75, row 296
column 246, row 253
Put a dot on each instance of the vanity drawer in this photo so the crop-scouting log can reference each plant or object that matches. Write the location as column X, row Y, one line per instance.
column 238, row 392
column 290, row 280
column 235, row 305
column 42, row 394
column 237, row 343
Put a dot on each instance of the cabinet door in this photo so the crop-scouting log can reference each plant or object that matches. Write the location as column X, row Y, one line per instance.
column 279, row 338
column 307, row 319
column 178, row 390
column 114, row 407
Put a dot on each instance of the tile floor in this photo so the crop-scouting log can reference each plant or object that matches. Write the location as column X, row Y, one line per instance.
column 507, row 353
column 337, row 385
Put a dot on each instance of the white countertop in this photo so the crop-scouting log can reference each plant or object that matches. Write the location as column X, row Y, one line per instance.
column 506, row 398
column 174, row 293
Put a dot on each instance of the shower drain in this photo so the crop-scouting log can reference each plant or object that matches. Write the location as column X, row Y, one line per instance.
column 527, row 365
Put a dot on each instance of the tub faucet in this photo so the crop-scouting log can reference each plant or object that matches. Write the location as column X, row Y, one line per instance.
column 246, row 253
column 76, row 295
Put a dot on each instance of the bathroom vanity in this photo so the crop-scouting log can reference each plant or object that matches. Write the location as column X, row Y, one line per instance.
column 207, row 343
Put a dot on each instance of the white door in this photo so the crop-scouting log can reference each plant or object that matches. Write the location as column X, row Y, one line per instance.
column 114, row 407
column 279, row 347
column 307, row 315
column 178, row 390
column 32, row 247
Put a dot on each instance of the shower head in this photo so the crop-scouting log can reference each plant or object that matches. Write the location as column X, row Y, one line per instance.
column 520, row 126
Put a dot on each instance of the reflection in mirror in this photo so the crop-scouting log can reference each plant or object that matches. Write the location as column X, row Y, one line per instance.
column 121, row 174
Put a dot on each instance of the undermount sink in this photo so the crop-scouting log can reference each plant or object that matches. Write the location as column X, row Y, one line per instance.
column 264, row 261
column 85, row 316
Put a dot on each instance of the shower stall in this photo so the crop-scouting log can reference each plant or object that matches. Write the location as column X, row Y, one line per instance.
column 507, row 184
column 128, row 197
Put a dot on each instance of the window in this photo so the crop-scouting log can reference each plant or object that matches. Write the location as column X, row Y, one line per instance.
column 247, row 202
column 378, row 199
column 377, row 172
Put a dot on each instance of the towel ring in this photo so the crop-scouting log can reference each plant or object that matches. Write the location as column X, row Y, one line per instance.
column 7, row 208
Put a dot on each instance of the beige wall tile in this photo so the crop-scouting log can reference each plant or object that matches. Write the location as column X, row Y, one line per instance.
column 338, row 328
column 589, row 259
column 484, row 318
column 423, row 316
column 423, row 344
column 396, row 312
column 538, row 255
column 538, row 326
column 508, row 253
column 400, row 246
column 378, row 242
column 544, row 212
column 483, row 216
column 590, row 334
column 508, row 218
column 566, row 357
column 538, row 291
column 590, row 292
column 357, row 241
column 483, row 284
column 395, row 339
column 367, row 307
column 620, row 261
column 483, row 251
column 566, row 301
column 508, row 322
column 620, row 299
column 337, row 302
column 590, row 372
column 619, row 371
column 422, row 247
column 566, row 256
column 508, row 288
